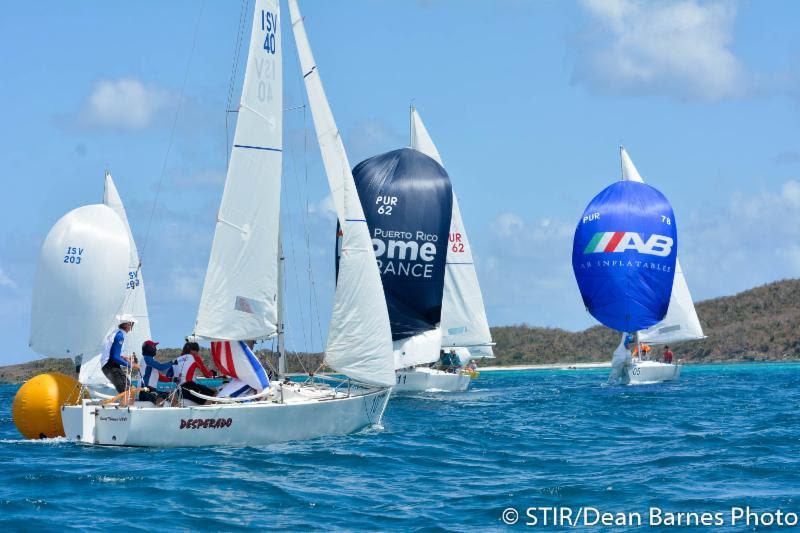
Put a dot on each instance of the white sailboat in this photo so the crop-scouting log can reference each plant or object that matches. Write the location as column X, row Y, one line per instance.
column 464, row 328
column 134, row 303
column 241, row 297
column 679, row 325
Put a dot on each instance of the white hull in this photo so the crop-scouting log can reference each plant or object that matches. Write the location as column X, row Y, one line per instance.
column 429, row 379
column 653, row 372
column 241, row 424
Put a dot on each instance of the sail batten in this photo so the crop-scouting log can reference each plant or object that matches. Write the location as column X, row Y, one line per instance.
column 359, row 340
column 463, row 317
column 239, row 299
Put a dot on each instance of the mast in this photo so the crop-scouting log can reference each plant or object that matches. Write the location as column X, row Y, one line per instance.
column 281, row 312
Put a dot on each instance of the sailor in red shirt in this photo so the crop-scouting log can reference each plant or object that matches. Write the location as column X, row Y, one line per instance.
column 185, row 369
column 668, row 355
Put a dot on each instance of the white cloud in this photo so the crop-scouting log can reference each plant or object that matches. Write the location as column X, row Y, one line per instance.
column 755, row 240
column 125, row 104
column 506, row 224
column 325, row 208
column 371, row 137
column 790, row 193
column 5, row 280
column 680, row 48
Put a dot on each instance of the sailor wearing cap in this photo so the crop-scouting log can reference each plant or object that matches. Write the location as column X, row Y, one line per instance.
column 112, row 361
column 152, row 367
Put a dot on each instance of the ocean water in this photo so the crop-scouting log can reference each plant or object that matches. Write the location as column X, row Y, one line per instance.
column 723, row 436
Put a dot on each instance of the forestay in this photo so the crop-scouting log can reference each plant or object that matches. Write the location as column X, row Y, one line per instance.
column 240, row 290
column 359, row 337
column 681, row 322
column 78, row 289
column 464, row 322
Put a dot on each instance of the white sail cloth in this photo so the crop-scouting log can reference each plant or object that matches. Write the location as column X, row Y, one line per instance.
column 359, row 336
column 681, row 322
column 419, row 349
column 135, row 302
column 78, row 290
column 464, row 322
column 239, row 299
column 620, row 364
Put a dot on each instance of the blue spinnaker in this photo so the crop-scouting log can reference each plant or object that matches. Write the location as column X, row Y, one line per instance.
column 408, row 202
column 623, row 256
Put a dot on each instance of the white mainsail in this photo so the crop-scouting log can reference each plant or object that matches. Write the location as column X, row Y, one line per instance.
column 681, row 322
column 78, row 290
column 464, row 323
column 359, row 336
column 239, row 299
column 135, row 302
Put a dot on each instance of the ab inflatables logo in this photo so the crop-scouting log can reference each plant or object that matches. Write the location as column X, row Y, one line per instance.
column 621, row 241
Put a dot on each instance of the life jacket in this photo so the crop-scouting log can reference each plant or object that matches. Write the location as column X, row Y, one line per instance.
column 185, row 367
column 108, row 343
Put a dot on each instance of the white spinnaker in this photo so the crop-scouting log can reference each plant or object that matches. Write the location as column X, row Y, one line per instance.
column 135, row 302
column 359, row 336
column 78, row 290
column 239, row 299
column 681, row 322
column 464, row 322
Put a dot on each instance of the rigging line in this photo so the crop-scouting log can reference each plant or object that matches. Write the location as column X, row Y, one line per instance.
column 284, row 192
column 237, row 50
column 313, row 297
column 172, row 130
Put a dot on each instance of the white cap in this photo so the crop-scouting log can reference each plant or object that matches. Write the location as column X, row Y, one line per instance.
column 122, row 319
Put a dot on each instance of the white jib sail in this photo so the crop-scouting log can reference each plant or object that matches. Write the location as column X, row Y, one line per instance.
column 239, row 299
column 135, row 302
column 464, row 322
column 78, row 290
column 359, row 336
column 681, row 322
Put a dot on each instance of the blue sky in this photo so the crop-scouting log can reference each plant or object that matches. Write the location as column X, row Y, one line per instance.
column 527, row 102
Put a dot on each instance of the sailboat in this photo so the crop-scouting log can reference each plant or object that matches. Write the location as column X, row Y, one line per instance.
column 679, row 325
column 241, row 299
column 464, row 327
column 134, row 303
column 407, row 200
column 624, row 257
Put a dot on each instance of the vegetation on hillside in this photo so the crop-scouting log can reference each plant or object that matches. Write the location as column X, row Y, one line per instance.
column 761, row 324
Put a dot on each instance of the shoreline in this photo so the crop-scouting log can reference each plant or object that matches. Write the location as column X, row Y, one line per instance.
column 546, row 366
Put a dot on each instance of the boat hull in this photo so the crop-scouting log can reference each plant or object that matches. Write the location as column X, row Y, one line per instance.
column 429, row 379
column 245, row 424
column 653, row 372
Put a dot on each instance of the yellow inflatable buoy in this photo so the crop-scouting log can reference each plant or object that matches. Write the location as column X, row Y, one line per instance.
column 37, row 404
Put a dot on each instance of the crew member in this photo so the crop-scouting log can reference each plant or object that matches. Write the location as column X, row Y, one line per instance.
column 184, row 369
column 668, row 355
column 152, row 373
column 115, row 366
